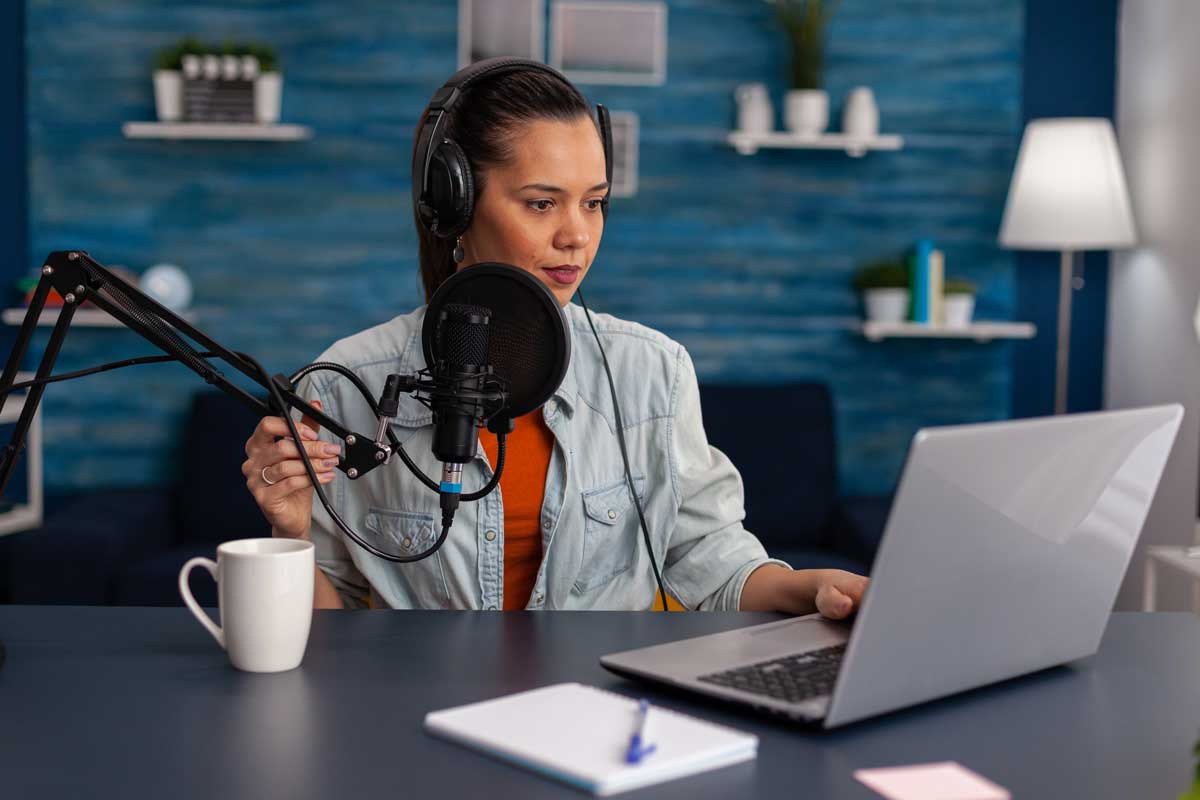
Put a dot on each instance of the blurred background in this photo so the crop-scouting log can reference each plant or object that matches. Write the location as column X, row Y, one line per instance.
column 736, row 229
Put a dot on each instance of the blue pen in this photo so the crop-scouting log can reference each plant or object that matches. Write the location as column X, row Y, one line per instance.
column 638, row 748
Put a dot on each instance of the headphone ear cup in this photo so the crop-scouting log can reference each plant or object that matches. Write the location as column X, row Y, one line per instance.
column 451, row 190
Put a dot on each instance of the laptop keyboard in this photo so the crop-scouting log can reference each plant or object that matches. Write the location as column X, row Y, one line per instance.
column 792, row 678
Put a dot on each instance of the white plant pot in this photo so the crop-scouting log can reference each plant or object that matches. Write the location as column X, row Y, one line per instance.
column 168, row 95
column 886, row 305
column 268, row 92
column 806, row 111
column 231, row 67
column 958, row 309
column 250, row 69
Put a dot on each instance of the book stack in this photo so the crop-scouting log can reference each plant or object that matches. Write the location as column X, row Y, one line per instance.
column 927, row 276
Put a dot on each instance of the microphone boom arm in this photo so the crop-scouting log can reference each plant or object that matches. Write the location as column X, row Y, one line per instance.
column 77, row 277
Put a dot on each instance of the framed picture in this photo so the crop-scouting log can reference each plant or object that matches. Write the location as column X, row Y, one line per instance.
column 625, row 153
column 488, row 28
column 612, row 43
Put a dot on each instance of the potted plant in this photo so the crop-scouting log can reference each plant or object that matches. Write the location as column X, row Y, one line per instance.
column 885, row 292
column 959, row 303
column 806, row 105
column 168, row 84
column 268, row 86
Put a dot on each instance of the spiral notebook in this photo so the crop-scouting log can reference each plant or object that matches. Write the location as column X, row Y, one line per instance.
column 580, row 734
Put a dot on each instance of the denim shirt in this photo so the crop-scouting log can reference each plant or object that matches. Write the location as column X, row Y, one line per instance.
column 594, row 555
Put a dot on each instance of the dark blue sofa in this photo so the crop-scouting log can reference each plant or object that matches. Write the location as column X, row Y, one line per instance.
column 126, row 546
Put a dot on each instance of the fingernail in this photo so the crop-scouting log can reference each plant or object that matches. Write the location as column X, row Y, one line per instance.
column 330, row 449
column 330, row 462
column 307, row 432
column 325, row 477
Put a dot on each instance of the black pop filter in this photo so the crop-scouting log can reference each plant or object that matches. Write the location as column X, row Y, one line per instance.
column 528, row 343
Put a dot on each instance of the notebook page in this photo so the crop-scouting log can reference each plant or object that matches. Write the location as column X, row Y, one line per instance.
column 580, row 734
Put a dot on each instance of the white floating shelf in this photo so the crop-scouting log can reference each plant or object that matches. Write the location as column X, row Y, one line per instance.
column 979, row 331
column 84, row 317
column 855, row 146
column 245, row 131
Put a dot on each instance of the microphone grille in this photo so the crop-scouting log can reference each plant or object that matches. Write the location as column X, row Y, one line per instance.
column 463, row 334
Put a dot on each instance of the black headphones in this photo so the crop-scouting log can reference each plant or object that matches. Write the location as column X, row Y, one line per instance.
column 443, row 186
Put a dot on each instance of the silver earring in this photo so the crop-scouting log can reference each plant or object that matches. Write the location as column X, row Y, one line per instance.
column 459, row 254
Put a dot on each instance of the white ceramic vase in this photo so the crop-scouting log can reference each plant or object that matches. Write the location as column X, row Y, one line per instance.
column 958, row 309
column 268, row 92
column 168, row 95
column 754, row 112
column 860, row 116
column 806, row 111
column 886, row 305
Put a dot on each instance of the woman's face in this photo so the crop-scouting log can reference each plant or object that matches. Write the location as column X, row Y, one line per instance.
column 542, row 211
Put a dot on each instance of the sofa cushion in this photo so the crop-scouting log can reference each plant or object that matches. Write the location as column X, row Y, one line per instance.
column 860, row 527
column 154, row 581
column 781, row 439
column 84, row 541
column 214, row 504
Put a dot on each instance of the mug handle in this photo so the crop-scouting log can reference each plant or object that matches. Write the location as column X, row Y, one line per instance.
column 192, row 605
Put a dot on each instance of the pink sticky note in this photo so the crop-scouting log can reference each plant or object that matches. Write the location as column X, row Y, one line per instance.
column 946, row 780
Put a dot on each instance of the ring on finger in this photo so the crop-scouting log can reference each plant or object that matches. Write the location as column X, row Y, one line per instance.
column 267, row 480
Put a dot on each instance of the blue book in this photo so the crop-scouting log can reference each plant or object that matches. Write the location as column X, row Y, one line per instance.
column 919, row 281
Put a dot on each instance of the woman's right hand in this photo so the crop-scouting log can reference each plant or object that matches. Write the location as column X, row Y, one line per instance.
column 276, row 477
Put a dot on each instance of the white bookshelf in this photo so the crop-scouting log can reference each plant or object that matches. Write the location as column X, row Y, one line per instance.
column 227, row 131
column 84, row 317
column 979, row 331
column 855, row 146
column 24, row 516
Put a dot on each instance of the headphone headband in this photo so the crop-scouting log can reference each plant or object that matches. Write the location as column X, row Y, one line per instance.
column 450, row 215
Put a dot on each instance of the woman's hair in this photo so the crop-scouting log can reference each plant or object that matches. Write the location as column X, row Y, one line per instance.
column 484, row 123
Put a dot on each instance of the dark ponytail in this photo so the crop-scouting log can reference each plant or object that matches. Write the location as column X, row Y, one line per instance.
column 484, row 123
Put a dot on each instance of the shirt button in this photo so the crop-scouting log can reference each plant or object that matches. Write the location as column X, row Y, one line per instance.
column 546, row 524
column 612, row 514
column 551, row 406
column 538, row 597
column 490, row 536
column 408, row 541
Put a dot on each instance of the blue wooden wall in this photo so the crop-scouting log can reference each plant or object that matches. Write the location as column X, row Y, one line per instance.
column 747, row 260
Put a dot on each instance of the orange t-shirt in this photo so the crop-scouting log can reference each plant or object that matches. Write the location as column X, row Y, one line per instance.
column 523, row 486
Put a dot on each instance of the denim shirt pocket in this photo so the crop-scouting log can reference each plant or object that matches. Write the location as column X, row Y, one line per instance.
column 410, row 533
column 610, row 532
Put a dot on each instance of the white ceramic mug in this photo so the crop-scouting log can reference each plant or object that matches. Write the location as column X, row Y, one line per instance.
column 265, row 591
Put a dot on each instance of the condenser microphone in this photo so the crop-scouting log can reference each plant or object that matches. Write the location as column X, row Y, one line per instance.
column 491, row 330
column 461, row 376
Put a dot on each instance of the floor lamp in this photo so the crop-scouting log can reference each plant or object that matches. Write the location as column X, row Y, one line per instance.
column 1068, row 194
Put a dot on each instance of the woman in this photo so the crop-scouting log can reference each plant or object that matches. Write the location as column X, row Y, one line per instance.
column 561, row 531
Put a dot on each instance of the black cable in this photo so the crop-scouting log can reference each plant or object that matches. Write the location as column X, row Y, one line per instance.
column 277, row 398
column 129, row 362
column 612, row 387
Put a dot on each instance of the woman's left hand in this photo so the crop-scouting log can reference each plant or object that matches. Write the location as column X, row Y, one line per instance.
column 835, row 593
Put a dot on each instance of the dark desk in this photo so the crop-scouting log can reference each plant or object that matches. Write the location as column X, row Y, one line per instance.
column 131, row 703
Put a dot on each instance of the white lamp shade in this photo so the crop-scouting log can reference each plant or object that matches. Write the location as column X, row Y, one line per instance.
column 1068, row 190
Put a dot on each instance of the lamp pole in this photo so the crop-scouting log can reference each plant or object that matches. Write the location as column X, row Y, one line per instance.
column 1066, row 274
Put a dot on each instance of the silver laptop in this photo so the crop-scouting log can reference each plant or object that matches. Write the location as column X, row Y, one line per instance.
column 1003, row 553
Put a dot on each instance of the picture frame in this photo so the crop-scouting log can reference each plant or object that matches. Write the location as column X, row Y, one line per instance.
column 621, row 43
